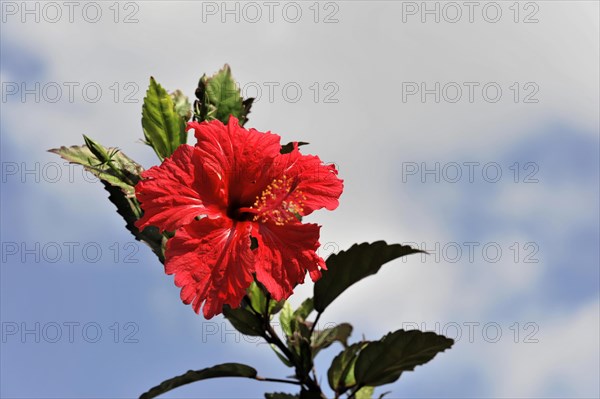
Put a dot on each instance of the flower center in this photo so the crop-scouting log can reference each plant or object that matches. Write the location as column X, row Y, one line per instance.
column 279, row 202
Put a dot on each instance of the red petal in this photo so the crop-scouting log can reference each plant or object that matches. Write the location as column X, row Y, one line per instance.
column 284, row 255
column 178, row 190
column 318, row 183
column 212, row 263
column 241, row 157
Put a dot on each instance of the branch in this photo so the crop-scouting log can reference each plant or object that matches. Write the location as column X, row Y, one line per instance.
column 278, row 380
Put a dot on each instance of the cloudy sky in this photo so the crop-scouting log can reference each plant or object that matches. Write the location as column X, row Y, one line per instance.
column 470, row 130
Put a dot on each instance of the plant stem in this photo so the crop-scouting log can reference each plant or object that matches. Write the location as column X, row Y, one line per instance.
column 278, row 380
column 354, row 391
column 312, row 329
column 272, row 338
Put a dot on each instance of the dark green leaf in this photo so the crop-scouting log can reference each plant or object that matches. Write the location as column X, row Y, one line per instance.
column 300, row 348
column 218, row 97
column 221, row 370
column 280, row 395
column 348, row 267
column 382, row 362
column 164, row 129
column 246, row 105
column 341, row 372
column 312, row 394
column 289, row 147
column 129, row 209
column 182, row 105
column 244, row 320
column 119, row 174
column 323, row 339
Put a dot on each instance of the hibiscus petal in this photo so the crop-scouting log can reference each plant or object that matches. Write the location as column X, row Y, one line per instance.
column 316, row 183
column 240, row 156
column 284, row 254
column 175, row 192
column 212, row 263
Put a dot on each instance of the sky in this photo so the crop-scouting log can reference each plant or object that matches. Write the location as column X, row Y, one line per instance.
column 470, row 130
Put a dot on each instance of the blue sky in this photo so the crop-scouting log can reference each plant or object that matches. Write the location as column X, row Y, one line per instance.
column 547, row 311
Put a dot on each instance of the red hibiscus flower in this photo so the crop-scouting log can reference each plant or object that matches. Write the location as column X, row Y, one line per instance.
column 234, row 201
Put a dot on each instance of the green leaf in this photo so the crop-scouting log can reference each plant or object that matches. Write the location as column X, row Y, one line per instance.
column 182, row 105
column 218, row 97
column 221, row 370
column 289, row 147
column 285, row 318
column 275, row 307
column 382, row 362
column 305, row 309
column 364, row 393
column 258, row 299
column 164, row 129
column 323, row 339
column 283, row 359
column 280, row 395
column 244, row 320
column 348, row 267
column 119, row 174
column 129, row 209
column 341, row 372
column 107, row 164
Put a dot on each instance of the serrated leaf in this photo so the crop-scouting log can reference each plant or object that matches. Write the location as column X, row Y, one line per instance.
column 341, row 372
column 310, row 394
column 350, row 266
column 364, row 393
column 221, row 370
column 218, row 97
column 281, row 395
column 382, row 362
column 244, row 321
column 323, row 339
column 182, row 105
column 119, row 174
column 112, row 166
column 164, row 129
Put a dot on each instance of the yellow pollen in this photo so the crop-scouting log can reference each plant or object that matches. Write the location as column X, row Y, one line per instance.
column 279, row 202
